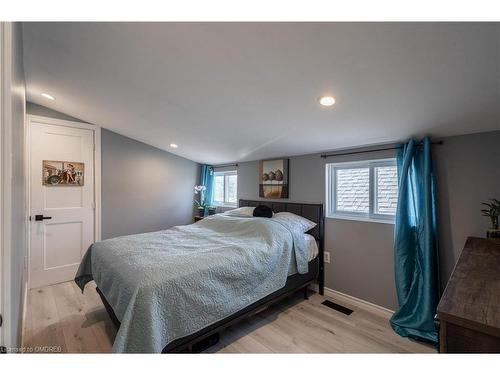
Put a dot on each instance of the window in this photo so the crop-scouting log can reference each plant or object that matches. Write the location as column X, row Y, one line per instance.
column 366, row 190
column 225, row 188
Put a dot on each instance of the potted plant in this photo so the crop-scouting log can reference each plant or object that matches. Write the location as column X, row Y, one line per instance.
column 201, row 205
column 492, row 211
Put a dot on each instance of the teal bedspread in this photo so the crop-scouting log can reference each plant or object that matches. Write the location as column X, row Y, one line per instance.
column 169, row 284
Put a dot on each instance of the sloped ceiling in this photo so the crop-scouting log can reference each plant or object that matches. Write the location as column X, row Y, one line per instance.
column 227, row 92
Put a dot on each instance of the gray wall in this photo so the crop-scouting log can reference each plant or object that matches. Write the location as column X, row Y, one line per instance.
column 15, row 94
column 143, row 188
column 468, row 172
column 40, row 110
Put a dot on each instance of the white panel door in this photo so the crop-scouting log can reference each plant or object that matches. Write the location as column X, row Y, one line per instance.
column 58, row 242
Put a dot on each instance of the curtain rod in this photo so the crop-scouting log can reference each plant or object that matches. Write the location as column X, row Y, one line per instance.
column 224, row 165
column 324, row 156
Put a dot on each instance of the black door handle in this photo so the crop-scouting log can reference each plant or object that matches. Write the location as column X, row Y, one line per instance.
column 41, row 217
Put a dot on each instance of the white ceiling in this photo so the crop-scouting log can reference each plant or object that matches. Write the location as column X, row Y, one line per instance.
column 228, row 92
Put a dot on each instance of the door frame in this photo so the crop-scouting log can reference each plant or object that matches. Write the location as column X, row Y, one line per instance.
column 3, row 214
column 97, row 175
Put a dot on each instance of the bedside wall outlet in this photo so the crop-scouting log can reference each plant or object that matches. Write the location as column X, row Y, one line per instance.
column 326, row 256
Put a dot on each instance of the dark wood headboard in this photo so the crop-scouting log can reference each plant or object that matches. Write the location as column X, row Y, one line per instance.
column 311, row 211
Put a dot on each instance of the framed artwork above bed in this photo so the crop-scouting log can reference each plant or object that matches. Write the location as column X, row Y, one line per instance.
column 273, row 178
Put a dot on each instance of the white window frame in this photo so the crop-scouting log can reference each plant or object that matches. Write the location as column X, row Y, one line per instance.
column 331, row 191
column 225, row 203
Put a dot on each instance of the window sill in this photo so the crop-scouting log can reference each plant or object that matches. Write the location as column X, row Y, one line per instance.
column 364, row 219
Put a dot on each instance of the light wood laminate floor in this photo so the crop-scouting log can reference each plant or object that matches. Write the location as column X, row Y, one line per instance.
column 61, row 317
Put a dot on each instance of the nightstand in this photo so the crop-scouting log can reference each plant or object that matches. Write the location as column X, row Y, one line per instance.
column 198, row 218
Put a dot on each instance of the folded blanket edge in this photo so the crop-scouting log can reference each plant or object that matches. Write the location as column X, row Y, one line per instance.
column 84, row 273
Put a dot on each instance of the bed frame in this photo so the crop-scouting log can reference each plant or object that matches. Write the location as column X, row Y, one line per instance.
column 208, row 336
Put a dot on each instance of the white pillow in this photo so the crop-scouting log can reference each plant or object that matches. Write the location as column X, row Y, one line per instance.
column 294, row 222
column 242, row 211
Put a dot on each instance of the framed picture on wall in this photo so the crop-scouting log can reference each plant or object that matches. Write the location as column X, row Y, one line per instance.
column 62, row 173
column 273, row 178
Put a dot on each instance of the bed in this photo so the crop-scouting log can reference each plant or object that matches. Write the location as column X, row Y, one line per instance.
column 181, row 302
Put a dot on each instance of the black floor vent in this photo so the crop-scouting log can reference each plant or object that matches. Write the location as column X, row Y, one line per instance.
column 340, row 308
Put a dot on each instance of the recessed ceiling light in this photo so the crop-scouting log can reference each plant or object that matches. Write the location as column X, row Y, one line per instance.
column 50, row 97
column 327, row 101
column 173, row 145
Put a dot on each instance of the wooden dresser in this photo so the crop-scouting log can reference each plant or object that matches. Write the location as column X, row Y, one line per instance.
column 469, row 310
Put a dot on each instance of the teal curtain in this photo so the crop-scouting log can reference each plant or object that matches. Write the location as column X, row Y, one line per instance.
column 415, row 244
column 207, row 180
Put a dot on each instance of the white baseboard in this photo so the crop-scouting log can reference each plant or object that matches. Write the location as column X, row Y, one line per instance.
column 358, row 301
